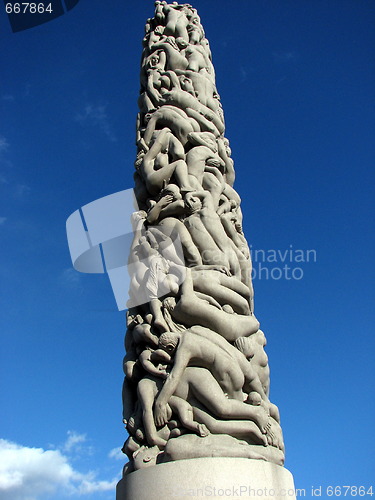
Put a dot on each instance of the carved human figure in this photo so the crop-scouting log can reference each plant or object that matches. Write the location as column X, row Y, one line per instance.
column 176, row 230
column 161, row 278
column 141, row 334
column 242, row 429
column 197, row 57
column 164, row 214
column 151, row 37
column 253, row 349
column 204, row 165
column 192, row 349
column 199, row 383
column 180, row 95
column 173, row 56
column 159, row 11
column 137, row 265
column 177, row 19
column 225, row 289
column 204, row 220
column 148, row 388
column 171, row 117
column 231, row 221
column 154, row 66
column 191, row 310
column 156, row 168
column 195, row 31
column 254, row 382
column 205, row 149
column 225, row 154
column 274, row 433
column 154, row 362
column 204, row 88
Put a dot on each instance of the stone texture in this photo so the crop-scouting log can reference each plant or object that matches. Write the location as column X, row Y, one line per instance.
column 213, row 478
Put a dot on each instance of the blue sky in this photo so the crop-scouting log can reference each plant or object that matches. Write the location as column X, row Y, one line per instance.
column 296, row 79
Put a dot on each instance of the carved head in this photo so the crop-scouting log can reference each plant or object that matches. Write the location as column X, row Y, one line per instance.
column 137, row 217
column 154, row 60
column 173, row 190
column 168, row 341
column 148, row 26
column 203, row 139
column 254, row 399
column 227, row 147
column 181, row 43
column 169, row 303
column 159, row 30
column 194, row 204
column 143, row 249
column 139, row 160
column 147, row 117
column 186, row 83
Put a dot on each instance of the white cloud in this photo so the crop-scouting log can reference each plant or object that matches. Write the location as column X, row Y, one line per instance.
column 285, row 56
column 117, row 454
column 26, row 473
column 244, row 74
column 4, row 144
column 73, row 441
column 30, row 473
column 7, row 97
column 88, row 486
column 21, row 190
column 71, row 278
column 96, row 115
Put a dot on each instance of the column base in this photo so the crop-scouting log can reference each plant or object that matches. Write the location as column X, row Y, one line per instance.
column 214, row 478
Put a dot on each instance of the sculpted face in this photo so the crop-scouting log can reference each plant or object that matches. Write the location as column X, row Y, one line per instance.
column 147, row 117
column 238, row 227
column 154, row 61
column 227, row 147
column 205, row 43
column 159, row 30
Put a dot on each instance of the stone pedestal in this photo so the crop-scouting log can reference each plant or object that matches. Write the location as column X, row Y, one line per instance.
column 214, row 478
